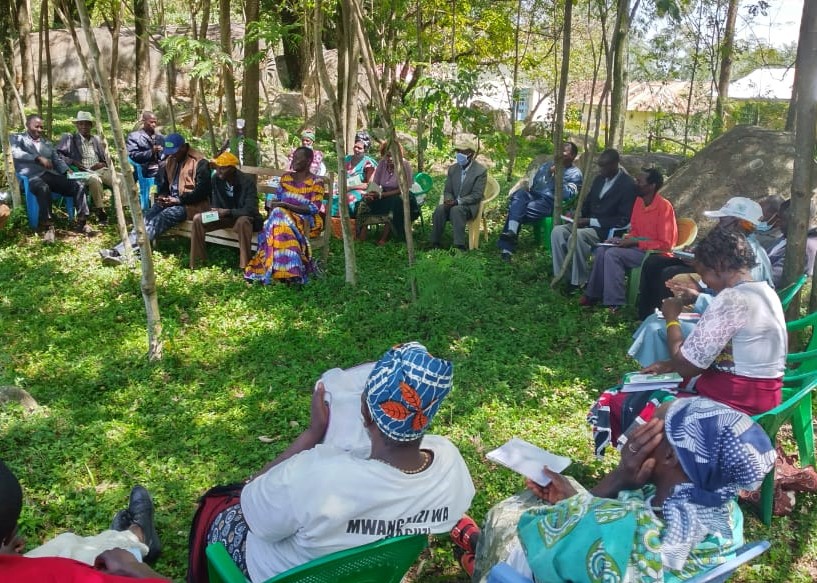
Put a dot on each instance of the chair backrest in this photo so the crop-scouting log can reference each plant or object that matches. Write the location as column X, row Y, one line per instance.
column 788, row 293
column 383, row 561
column 772, row 420
column 743, row 555
column 491, row 191
column 687, row 231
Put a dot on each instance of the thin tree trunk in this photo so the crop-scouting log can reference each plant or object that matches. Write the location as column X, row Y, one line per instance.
column 18, row 98
column 39, row 72
column 144, row 95
column 8, row 163
column 26, row 52
column 115, row 34
column 725, row 76
column 207, row 117
column 49, row 107
column 695, row 57
column 618, row 97
column 224, row 27
column 791, row 114
column 805, row 136
column 252, row 77
column 560, row 110
column 154, row 323
column 421, row 113
column 384, row 109
column 92, row 87
column 514, row 95
column 334, row 95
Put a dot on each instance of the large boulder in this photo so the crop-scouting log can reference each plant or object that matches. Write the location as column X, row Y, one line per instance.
column 746, row 161
column 287, row 104
column 666, row 163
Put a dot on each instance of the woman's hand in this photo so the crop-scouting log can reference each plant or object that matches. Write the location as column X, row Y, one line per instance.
column 319, row 417
column 672, row 308
column 15, row 546
column 628, row 242
column 687, row 290
column 559, row 488
column 637, row 464
column 658, row 367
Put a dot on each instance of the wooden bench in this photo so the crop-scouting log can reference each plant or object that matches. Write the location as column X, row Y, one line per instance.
column 227, row 237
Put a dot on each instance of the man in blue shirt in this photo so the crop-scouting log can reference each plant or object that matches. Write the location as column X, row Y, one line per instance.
column 532, row 198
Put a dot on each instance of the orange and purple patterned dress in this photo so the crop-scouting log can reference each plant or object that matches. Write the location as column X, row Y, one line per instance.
column 284, row 252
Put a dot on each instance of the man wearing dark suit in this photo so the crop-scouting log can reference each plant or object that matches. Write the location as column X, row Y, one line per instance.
column 145, row 145
column 35, row 158
column 464, row 189
column 87, row 153
column 608, row 206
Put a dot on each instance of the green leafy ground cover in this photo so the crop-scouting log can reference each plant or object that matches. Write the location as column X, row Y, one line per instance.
column 239, row 363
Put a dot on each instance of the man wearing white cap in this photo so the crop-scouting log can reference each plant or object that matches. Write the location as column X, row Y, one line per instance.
column 87, row 153
column 463, row 191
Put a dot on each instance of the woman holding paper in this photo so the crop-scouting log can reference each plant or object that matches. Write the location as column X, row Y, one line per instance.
column 665, row 514
column 736, row 354
column 386, row 198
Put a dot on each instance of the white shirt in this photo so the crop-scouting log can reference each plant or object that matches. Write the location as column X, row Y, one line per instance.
column 325, row 500
column 742, row 332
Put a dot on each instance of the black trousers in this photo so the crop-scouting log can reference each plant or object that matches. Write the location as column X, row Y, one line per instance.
column 655, row 271
column 43, row 185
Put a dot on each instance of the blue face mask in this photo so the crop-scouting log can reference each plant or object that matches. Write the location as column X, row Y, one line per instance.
column 462, row 159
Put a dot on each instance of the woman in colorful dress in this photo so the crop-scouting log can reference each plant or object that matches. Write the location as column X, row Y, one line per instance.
column 284, row 253
column 667, row 513
column 387, row 199
column 360, row 168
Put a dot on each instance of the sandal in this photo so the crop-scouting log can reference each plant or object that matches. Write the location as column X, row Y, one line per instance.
column 464, row 534
column 466, row 560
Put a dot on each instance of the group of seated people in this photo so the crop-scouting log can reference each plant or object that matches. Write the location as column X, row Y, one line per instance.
column 667, row 512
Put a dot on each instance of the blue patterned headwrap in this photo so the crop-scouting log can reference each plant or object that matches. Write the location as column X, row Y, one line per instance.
column 721, row 450
column 405, row 390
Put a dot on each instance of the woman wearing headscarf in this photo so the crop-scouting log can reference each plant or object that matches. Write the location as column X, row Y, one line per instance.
column 295, row 214
column 736, row 354
column 360, row 168
column 316, row 498
column 666, row 513
column 387, row 198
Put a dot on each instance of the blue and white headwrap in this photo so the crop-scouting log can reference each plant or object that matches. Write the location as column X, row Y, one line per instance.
column 405, row 390
column 721, row 450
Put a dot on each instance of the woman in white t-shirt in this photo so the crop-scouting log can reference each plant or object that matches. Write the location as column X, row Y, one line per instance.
column 317, row 498
column 735, row 355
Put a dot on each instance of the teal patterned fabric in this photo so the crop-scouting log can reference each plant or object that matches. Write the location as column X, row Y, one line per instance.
column 589, row 539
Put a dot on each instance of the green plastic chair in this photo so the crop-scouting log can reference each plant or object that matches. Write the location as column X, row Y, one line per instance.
column 796, row 407
column 788, row 293
column 426, row 182
column 542, row 230
column 383, row 561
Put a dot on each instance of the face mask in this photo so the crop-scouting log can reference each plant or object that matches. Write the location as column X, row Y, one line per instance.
column 763, row 227
column 462, row 159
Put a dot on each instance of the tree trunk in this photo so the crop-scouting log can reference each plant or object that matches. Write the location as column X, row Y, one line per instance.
column 421, row 113
column 8, row 163
column 725, row 75
column 335, row 95
column 144, row 96
column 154, row 323
column 558, row 147
column 117, row 196
column 17, row 97
column 293, row 43
column 224, row 28
column 384, row 108
column 38, row 84
column 514, row 95
column 115, row 34
column 207, row 117
column 618, row 96
column 49, row 103
column 805, row 136
column 252, row 78
column 26, row 52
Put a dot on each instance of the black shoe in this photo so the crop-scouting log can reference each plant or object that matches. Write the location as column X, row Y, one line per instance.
column 509, row 236
column 101, row 217
column 506, row 256
column 111, row 257
column 121, row 520
column 461, row 247
column 84, row 228
column 141, row 510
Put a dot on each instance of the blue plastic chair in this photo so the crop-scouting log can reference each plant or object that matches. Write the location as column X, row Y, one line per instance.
column 145, row 184
column 33, row 207
column 504, row 573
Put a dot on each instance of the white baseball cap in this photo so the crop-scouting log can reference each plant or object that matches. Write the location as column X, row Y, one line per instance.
column 739, row 207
